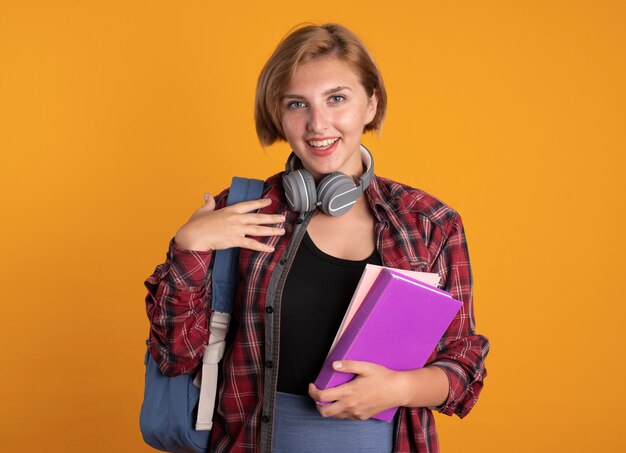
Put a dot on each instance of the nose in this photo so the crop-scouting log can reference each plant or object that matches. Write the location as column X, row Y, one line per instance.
column 318, row 119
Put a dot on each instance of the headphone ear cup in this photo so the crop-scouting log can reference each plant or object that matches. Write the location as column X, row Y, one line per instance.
column 337, row 193
column 300, row 191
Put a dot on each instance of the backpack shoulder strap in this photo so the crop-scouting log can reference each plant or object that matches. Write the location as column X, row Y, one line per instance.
column 224, row 279
column 225, row 273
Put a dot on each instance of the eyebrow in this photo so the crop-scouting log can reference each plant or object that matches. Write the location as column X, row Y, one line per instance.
column 325, row 93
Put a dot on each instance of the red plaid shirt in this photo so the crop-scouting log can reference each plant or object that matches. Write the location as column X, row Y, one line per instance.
column 414, row 231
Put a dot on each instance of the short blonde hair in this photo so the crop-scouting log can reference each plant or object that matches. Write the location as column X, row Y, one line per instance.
column 304, row 44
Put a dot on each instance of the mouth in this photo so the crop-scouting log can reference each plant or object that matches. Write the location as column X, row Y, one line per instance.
column 322, row 144
column 322, row 147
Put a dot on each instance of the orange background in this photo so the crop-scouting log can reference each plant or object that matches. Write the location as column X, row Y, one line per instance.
column 116, row 116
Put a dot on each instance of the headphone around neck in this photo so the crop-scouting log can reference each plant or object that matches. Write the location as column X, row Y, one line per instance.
column 334, row 195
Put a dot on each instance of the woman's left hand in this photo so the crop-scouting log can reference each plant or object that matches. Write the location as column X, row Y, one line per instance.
column 373, row 390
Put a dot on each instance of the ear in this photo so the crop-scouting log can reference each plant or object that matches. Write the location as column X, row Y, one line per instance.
column 372, row 106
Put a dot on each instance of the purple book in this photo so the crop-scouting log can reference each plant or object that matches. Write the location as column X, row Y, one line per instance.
column 398, row 325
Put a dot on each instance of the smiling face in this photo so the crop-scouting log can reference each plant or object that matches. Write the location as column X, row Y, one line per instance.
column 324, row 110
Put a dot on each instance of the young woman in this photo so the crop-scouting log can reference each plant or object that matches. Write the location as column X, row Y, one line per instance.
column 304, row 245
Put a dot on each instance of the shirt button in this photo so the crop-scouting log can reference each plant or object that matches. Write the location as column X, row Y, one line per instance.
column 265, row 418
column 283, row 261
column 269, row 309
column 299, row 221
column 269, row 364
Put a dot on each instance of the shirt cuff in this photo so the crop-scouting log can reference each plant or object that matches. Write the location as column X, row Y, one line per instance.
column 456, row 386
column 187, row 268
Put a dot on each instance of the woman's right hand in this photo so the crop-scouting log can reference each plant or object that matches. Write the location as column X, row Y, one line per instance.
column 211, row 229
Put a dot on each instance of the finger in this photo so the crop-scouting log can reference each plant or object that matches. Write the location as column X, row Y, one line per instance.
column 209, row 202
column 326, row 396
column 251, row 244
column 342, row 410
column 251, row 205
column 314, row 393
column 264, row 231
column 328, row 410
column 321, row 402
column 336, row 409
column 263, row 219
column 329, row 405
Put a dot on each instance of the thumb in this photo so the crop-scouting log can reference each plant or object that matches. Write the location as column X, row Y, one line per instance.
column 352, row 366
column 209, row 202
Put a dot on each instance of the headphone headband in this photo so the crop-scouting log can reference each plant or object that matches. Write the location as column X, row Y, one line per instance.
column 334, row 195
column 364, row 180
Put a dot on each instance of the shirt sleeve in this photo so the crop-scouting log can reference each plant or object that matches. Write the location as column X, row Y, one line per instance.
column 461, row 352
column 178, row 310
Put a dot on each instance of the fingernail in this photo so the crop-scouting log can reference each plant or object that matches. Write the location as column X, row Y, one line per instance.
column 337, row 365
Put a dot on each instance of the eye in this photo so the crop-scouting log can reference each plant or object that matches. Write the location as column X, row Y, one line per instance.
column 295, row 105
column 337, row 98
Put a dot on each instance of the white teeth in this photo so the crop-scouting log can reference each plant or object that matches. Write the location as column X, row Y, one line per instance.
column 322, row 143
